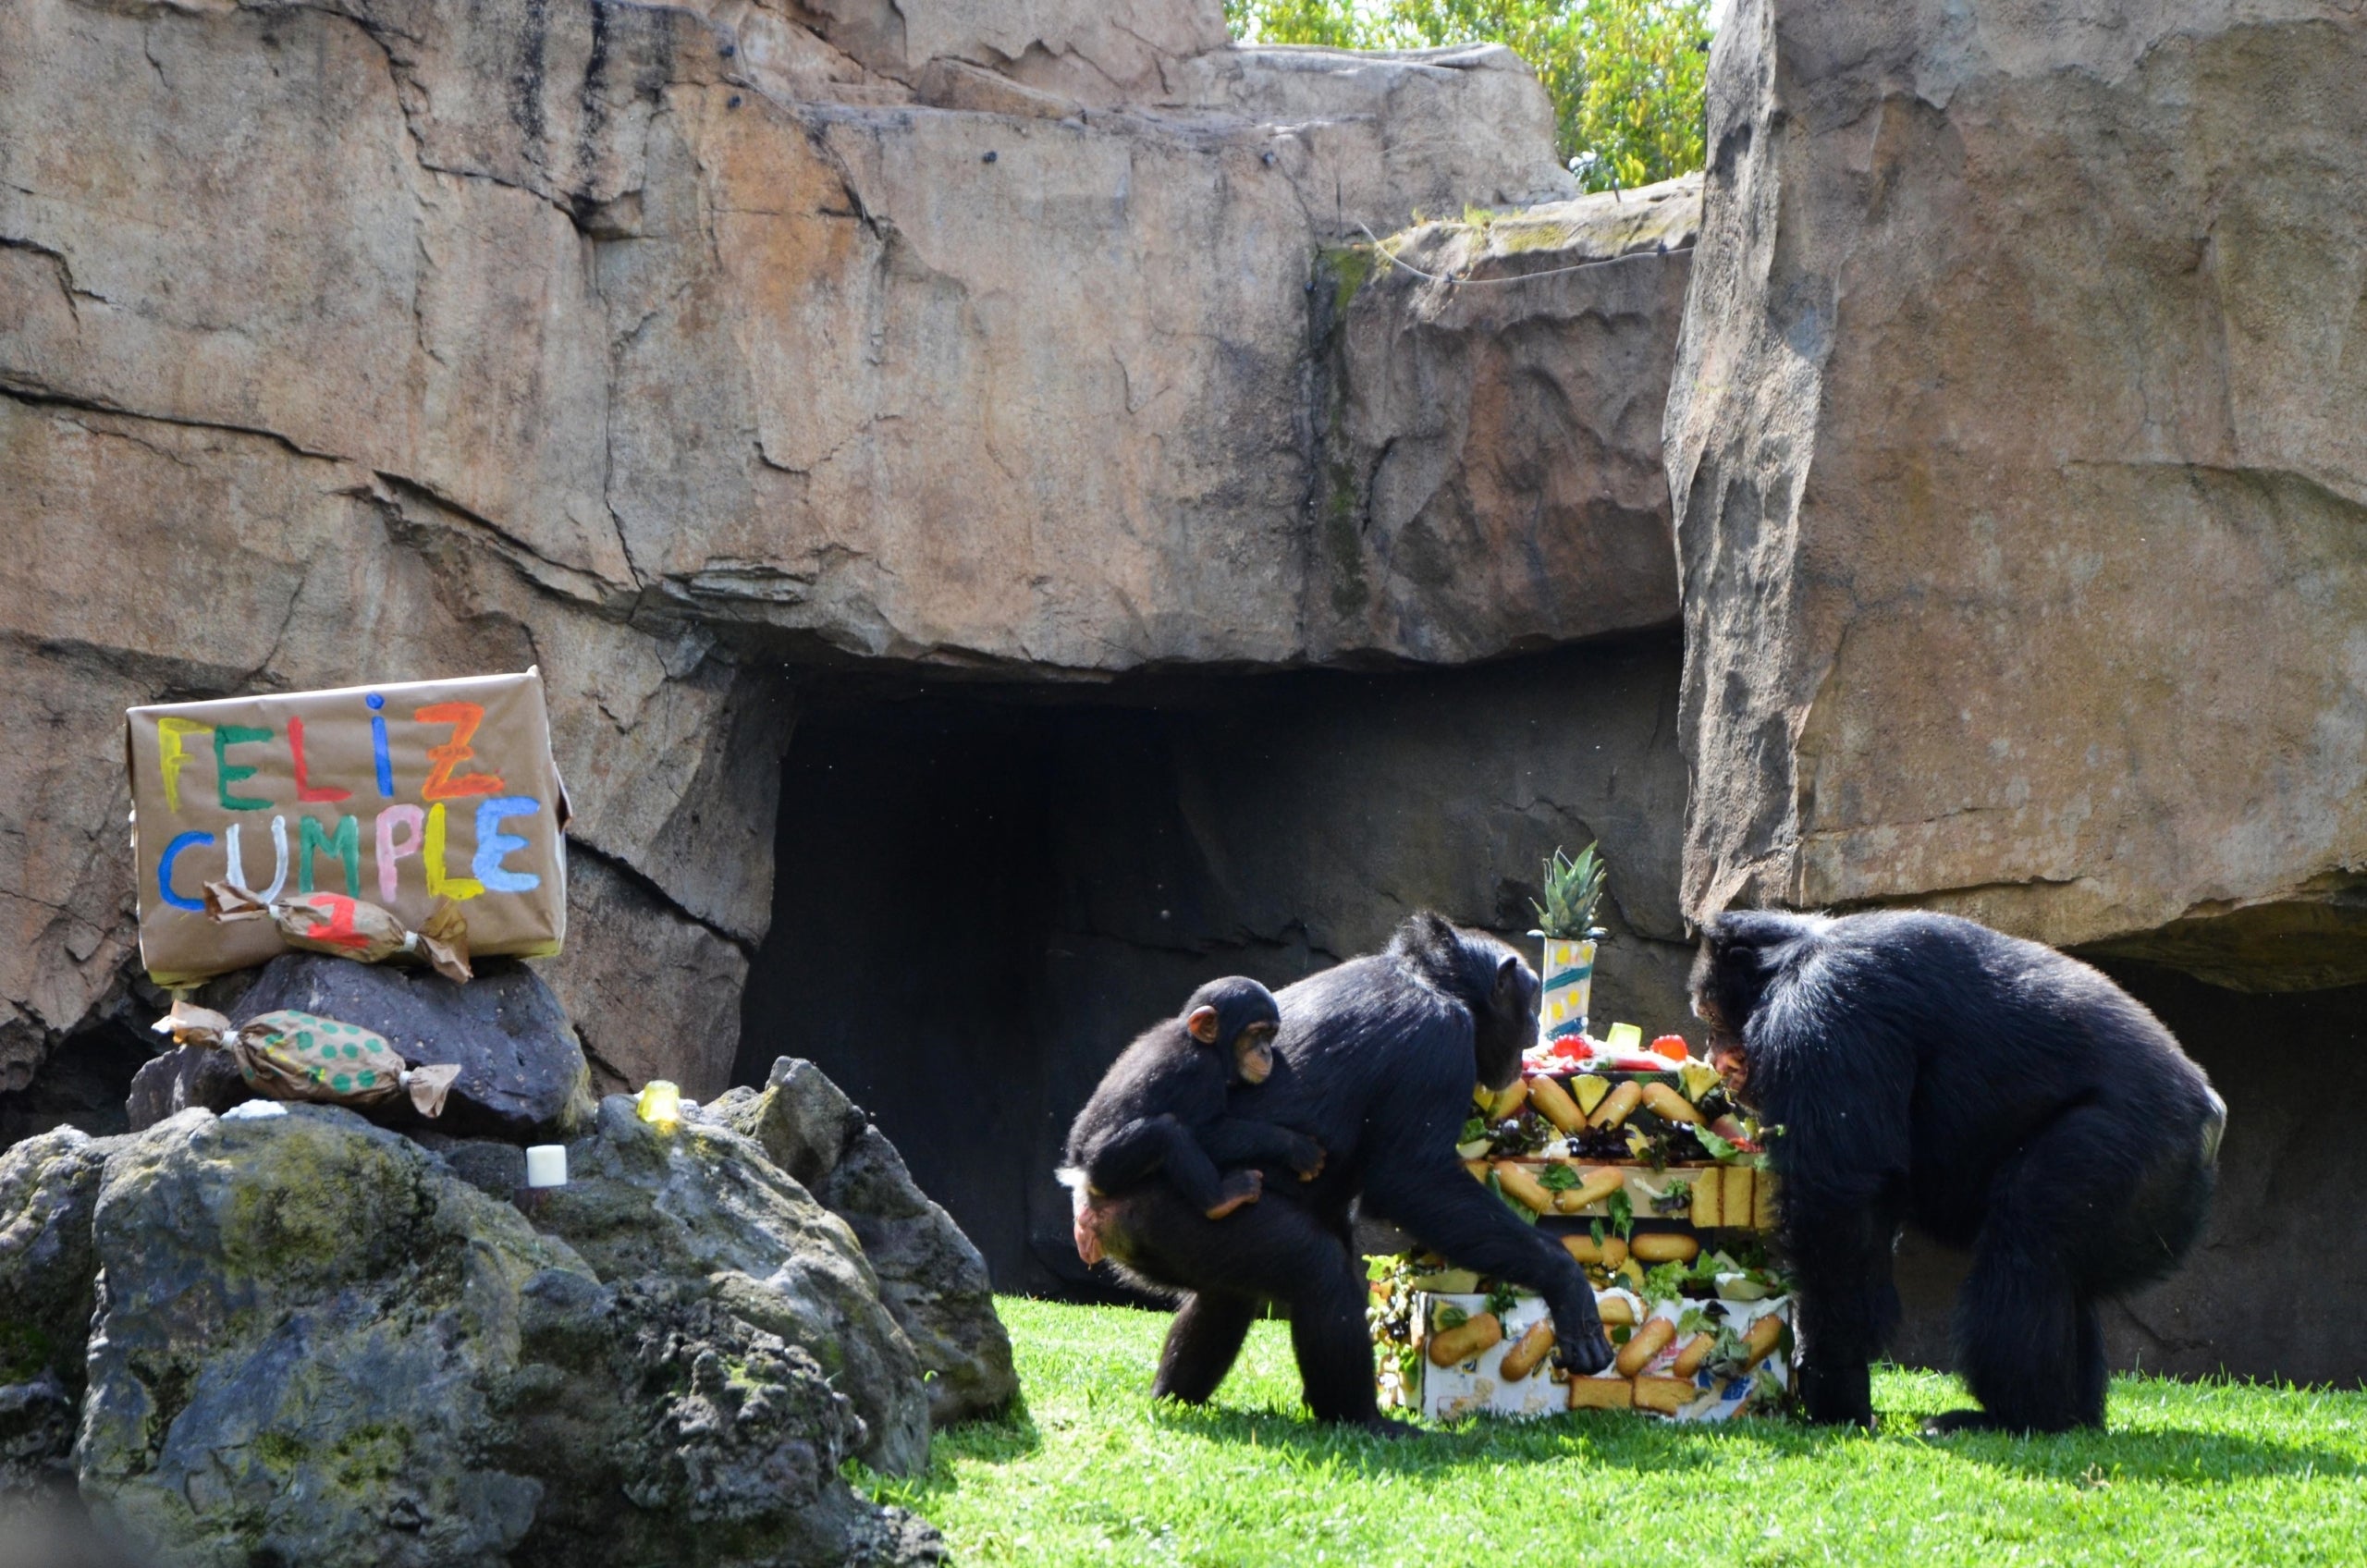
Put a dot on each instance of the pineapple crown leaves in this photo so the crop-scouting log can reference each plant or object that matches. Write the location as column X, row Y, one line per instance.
column 1572, row 892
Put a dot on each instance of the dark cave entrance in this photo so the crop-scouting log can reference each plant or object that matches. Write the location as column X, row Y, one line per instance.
column 982, row 891
column 936, row 945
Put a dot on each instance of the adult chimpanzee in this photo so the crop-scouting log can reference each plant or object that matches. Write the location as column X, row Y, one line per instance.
column 1161, row 1109
column 1376, row 1058
column 1998, row 1094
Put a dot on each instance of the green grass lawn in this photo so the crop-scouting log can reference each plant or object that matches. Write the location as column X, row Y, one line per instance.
column 1092, row 1470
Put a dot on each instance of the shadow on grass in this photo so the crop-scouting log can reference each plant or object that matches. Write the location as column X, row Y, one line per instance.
column 2161, row 1433
column 1613, row 1441
column 2122, row 1455
column 1003, row 1440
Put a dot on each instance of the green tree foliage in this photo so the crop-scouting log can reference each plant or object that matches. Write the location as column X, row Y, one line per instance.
column 1626, row 76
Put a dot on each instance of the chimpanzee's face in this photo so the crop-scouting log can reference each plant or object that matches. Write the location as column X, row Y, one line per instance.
column 1508, row 1026
column 1713, row 993
column 1253, row 1053
column 1239, row 1017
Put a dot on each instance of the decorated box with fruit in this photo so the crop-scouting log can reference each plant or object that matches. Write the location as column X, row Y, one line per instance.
column 1656, row 1181
column 1700, row 1353
column 1606, row 1129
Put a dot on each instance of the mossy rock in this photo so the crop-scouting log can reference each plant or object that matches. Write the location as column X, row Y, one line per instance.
column 319, row 1344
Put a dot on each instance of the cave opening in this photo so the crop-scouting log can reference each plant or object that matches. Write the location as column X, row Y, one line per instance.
column 982, row 890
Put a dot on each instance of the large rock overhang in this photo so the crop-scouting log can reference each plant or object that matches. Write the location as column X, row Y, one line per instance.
column 389, row 339
column 2016, row 446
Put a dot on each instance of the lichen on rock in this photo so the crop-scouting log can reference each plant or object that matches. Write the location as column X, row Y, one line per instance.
column 931, row 1276
column 49, row 1186
column 316, row 1342
column 700, row 1202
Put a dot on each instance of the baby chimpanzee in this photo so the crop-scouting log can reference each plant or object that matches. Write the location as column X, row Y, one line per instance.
column 1160, row 1109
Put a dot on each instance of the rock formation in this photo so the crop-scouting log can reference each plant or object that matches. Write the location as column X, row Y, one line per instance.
column 896, row 375
column 1492, row 445
column 317, row 1338
column 49, row 1187
column 701, row 1202
column 2015, row 444
column 650, row 343
column 931, row 1279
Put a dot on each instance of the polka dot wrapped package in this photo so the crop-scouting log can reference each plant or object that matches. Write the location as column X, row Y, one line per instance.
column 289, row 1055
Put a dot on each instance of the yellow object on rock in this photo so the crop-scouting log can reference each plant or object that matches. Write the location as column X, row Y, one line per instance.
column 659, row 1103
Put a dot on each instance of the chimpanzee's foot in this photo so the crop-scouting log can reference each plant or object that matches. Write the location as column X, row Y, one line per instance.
column 1240, row 1187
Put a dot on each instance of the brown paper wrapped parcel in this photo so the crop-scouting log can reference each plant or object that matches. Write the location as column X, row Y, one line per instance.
column 290, row 1054
column 408, row 796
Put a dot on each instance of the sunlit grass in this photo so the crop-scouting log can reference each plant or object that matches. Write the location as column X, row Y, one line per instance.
column 1092, row 1470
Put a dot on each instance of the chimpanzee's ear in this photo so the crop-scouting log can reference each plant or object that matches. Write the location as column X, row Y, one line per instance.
column 1201, row 1025
column 1508, row 975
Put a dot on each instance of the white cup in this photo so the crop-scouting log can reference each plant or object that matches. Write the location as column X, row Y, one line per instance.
column 547, row 1165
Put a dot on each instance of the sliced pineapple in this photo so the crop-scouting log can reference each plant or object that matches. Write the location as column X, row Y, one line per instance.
column 1736, row 1199
column 1707, row 1191
column 1698, row 1077
column 1589, row 1088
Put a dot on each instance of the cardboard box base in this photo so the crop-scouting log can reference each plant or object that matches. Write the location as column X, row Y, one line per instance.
column 1476, row 1386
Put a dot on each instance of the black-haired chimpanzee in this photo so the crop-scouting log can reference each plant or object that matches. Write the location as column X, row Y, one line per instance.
column 1375, row 1062
column 1160, row 1110
column 1995, row 1093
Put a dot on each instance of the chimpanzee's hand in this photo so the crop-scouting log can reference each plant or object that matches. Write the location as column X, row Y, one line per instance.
column 1579, row 1345
column 1307, row 1158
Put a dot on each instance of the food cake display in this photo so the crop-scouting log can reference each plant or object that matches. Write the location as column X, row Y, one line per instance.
column 1656, row 1181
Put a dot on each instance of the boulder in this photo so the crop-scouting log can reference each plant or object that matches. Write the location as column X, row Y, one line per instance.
column 701, row 1202
column 522, row 1075
column 2019, row 476
column 931, row 1278
column 492, row 1167
column 1097, row 51
column 49, row 1188
column 317, row 1343
column 1493, row 471
column 187, row 1075
column 685, row 1025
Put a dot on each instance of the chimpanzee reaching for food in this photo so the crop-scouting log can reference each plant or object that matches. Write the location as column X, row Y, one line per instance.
column 1995, row 1092
column 1376, row 1060
column 1161, row 1109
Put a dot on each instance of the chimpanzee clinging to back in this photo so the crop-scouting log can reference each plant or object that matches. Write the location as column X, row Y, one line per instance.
column 1375, row 1062
column 1995, row 1093
column 1160, row 1110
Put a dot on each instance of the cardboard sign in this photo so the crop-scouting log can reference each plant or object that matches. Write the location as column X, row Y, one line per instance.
column 401, row 795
